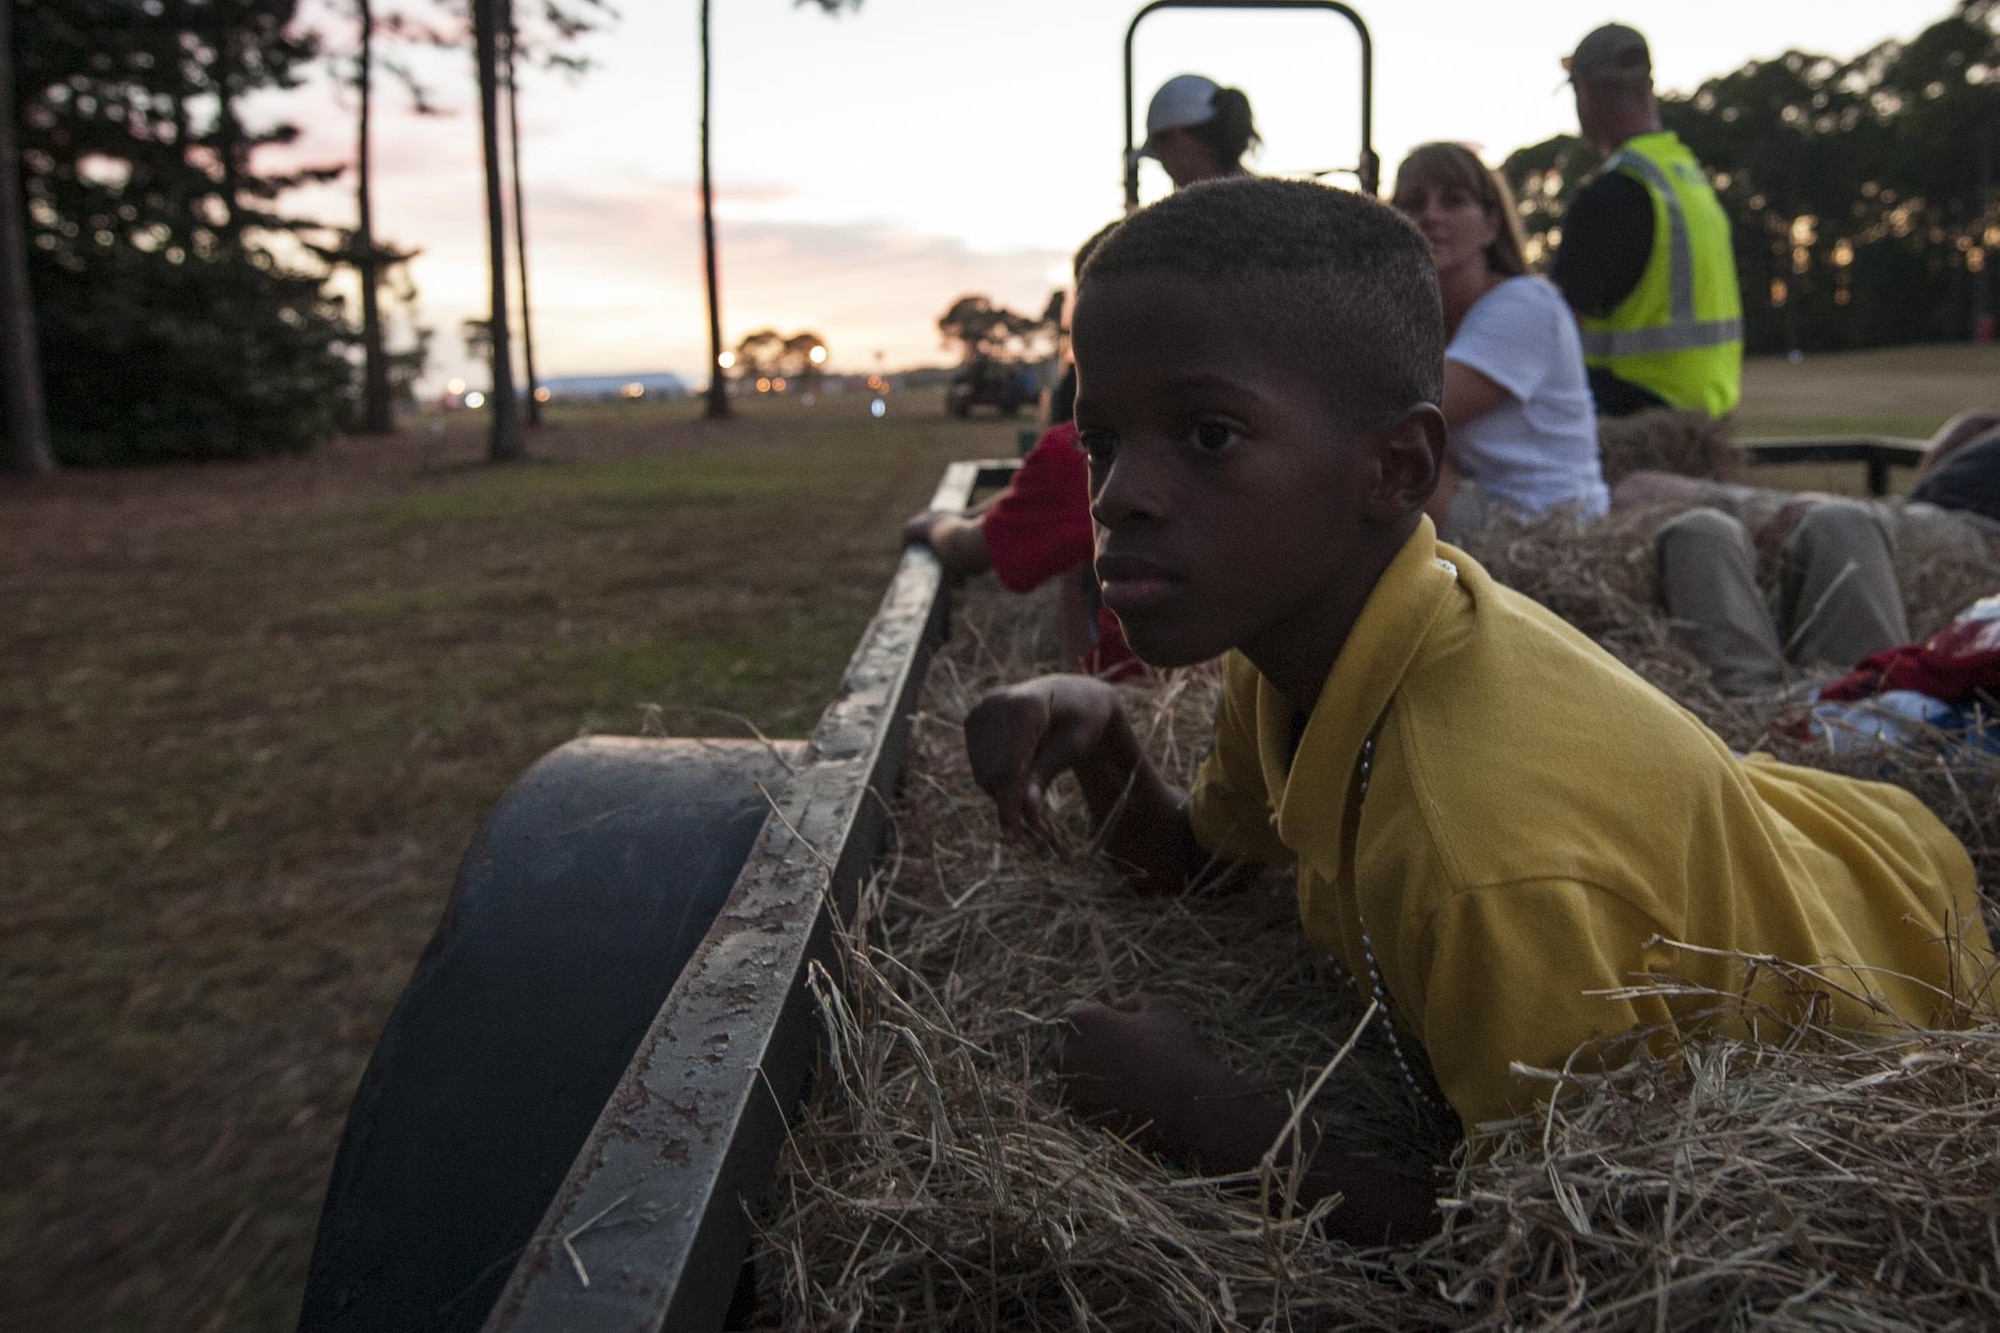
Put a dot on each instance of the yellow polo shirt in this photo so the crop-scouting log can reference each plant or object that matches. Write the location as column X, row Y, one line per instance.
column 1540, row 820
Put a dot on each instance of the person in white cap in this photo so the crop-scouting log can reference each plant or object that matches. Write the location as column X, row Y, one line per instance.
column 1199, row 130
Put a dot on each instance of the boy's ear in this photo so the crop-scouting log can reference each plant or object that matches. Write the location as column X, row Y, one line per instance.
column 1409, row 459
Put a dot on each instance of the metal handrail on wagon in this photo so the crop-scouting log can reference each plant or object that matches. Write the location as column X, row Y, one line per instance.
column 1878, row 452
column 1367, row 169
column 651, row 1226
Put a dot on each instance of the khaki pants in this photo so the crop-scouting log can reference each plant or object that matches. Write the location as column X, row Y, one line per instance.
column 1834, row 602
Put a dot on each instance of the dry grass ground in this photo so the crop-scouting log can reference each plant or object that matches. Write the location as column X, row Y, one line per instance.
column 252, row 716
column 254, row 713
column 1902, row 391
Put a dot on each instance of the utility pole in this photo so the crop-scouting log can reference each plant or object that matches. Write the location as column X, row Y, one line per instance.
column 718, row 384
column 28, row 452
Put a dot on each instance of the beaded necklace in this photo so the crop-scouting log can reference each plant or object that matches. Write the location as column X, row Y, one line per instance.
column 1421, row 1099
column 1363, row 768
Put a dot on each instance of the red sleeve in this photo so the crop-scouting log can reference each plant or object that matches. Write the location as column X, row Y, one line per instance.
column 1040, row 525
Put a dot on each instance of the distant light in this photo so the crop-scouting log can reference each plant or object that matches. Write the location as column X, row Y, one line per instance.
column 817, row 355
column 877, row 408
column 778, row 384
column 763, row 384
column 542, row 393
column 454, row 385
column 634, row 390
column 808, row 400
column 475, row 399
column 727, row 360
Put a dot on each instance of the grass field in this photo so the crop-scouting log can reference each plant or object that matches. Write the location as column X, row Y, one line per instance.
column 1906, row 391
column 255, row 712
column 253, row 716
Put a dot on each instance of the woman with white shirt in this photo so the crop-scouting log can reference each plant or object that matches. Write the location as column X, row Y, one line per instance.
column 1523, row 428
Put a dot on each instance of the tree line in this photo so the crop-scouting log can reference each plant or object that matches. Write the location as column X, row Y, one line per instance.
column 158, row 300
column 155, row 301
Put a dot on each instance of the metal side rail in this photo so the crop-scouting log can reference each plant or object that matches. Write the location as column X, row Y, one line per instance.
column 1879, row 452
column 649, row 1229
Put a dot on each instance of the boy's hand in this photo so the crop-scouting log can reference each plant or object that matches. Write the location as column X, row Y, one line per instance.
column 1020, row 737
column 958, row 540
column 917, row 531
column 1137, row 1067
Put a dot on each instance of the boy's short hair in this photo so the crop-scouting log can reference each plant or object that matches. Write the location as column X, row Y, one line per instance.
column 1345, row 280
column 1089, row 248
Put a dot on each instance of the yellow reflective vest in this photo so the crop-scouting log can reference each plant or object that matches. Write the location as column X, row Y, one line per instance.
column 1680, row 331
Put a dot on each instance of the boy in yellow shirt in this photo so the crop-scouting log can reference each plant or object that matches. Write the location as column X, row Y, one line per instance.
column 1497, row 827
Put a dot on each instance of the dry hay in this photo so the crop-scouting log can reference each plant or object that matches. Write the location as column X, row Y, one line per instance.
column 1661, row 439
column 936, row 1183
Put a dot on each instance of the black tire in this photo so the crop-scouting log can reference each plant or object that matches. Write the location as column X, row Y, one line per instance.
column 580, row 900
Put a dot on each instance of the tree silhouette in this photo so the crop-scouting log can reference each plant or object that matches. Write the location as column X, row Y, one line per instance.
column 171, row 319
column 982, row 328
column 511, row 37
column 20, row 367
column 718, row 385
column 504, row 440
column 769, row 354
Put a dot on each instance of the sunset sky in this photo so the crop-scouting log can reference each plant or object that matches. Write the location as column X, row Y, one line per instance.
column 872, row 167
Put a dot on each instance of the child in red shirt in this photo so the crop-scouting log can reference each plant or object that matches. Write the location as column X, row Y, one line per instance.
column 1037, row 529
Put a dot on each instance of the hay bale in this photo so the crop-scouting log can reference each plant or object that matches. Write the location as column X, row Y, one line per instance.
column 936, row 1181
column 1662, row 439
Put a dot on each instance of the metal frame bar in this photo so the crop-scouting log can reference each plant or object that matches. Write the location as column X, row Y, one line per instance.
column 1368, row 168
column 1879, row 452
column 650, row 1228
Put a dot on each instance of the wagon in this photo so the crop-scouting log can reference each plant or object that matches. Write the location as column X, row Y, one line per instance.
column 591, row 1071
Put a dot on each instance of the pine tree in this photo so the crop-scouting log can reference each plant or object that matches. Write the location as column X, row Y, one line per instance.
column 20, row 365
column 167, row 328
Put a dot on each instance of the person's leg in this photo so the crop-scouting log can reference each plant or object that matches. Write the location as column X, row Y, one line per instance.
column 1954, row 435
column 1644, row 488
column 1837, row 599
column 1708, row 581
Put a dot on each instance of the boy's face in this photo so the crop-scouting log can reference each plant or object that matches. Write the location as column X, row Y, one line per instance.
column 1232, row 509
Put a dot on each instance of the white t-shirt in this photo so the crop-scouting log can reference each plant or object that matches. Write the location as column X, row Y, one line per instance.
column 1538, row 449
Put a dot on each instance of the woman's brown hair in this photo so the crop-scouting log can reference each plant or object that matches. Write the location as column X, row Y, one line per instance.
column 1453, row 166
column 1230, row 132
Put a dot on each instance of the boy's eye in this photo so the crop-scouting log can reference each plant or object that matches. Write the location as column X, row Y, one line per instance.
column 1102, row 446
column 1212, row 437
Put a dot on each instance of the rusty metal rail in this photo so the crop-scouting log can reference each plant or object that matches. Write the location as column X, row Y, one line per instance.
column 650, row 1228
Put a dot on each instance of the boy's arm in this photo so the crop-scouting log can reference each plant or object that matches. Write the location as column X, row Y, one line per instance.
column 1021, row 737
column 1138, row 1067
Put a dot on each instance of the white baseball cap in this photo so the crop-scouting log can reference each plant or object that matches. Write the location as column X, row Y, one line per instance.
column 1184, row 100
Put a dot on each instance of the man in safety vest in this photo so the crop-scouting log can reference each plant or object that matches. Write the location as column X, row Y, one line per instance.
column 1645, row 259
